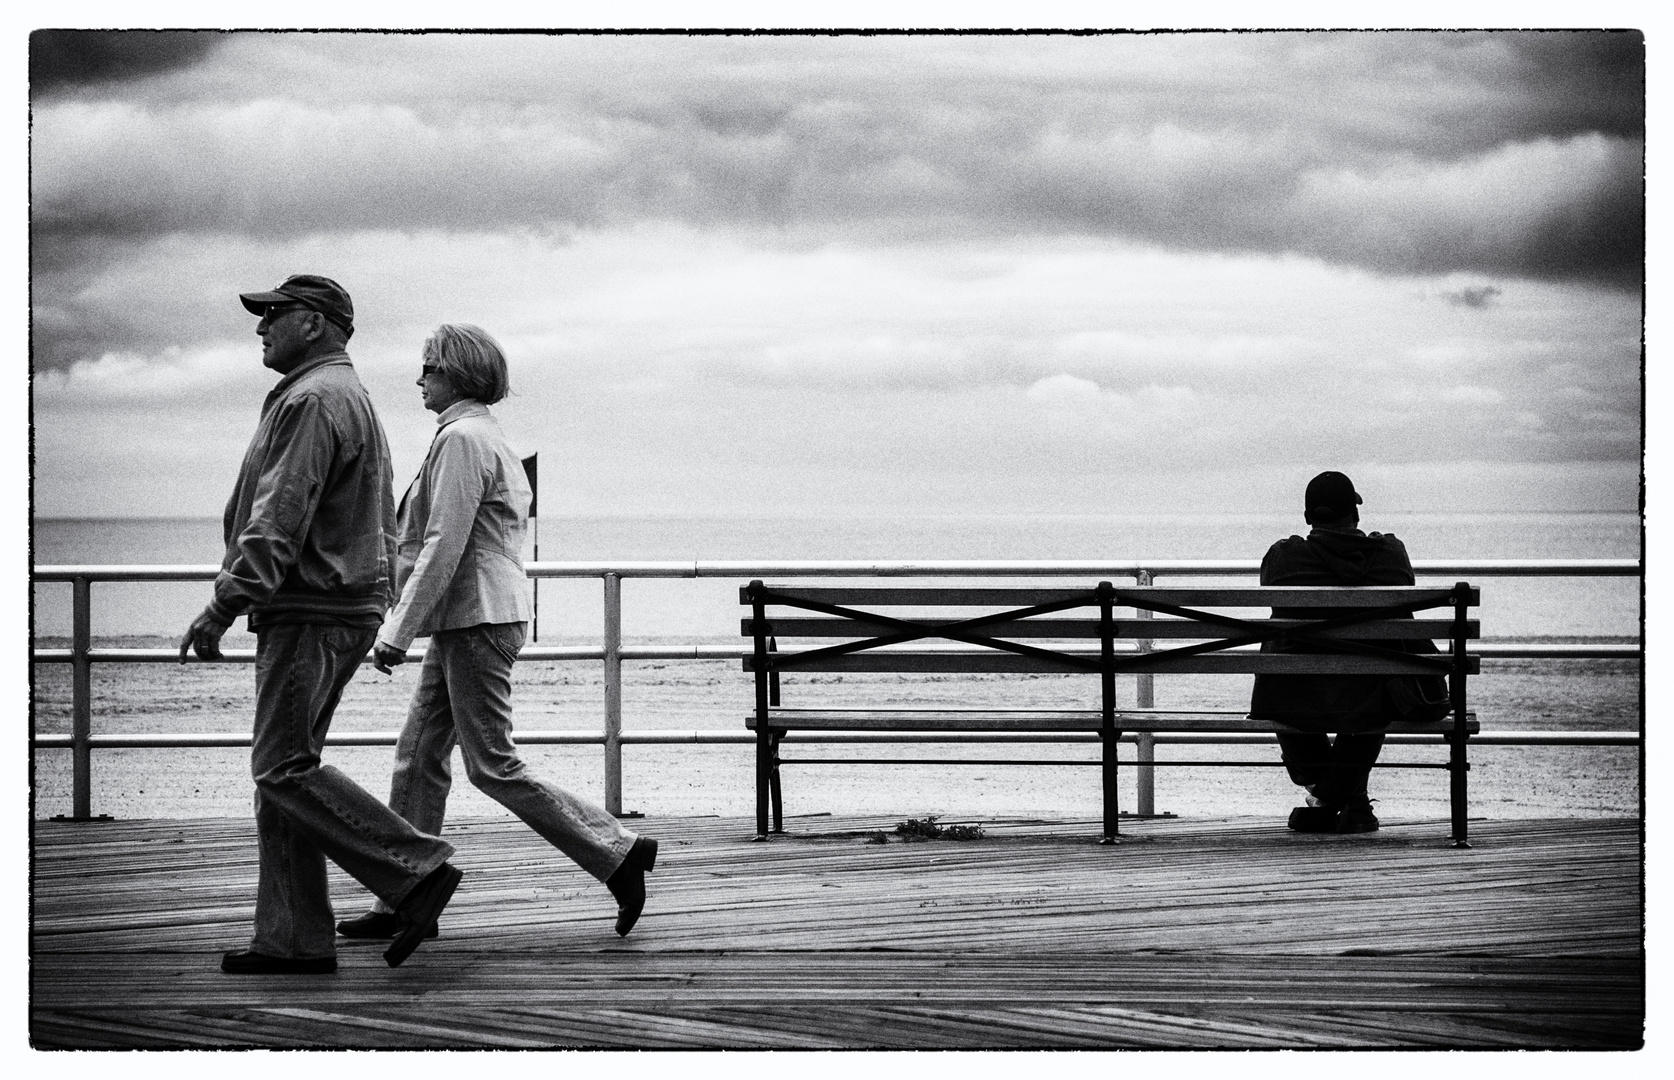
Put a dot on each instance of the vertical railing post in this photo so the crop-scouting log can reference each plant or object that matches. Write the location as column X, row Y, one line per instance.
column 613, row 693
column 1145, row 698
column 81, row 700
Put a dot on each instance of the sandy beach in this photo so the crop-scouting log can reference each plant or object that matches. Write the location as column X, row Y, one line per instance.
column 1506, row 782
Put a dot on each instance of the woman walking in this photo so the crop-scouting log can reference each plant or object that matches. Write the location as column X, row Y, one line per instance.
column 460, row 571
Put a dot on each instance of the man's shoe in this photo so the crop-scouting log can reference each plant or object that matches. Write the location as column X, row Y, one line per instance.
column 627, row 884
column 250, row 962
column 417, row 915
column 1357, row 818
column 1314, row 819
column 374, row 924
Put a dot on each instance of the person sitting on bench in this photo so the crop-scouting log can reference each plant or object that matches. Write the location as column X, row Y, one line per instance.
column 1356, row 708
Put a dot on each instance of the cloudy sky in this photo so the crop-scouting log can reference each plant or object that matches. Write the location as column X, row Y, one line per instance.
column 886, row 274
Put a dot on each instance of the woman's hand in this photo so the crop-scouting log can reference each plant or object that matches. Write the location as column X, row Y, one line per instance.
column 385, row 657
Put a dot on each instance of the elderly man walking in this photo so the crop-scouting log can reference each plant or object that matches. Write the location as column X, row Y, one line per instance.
column 310, row 533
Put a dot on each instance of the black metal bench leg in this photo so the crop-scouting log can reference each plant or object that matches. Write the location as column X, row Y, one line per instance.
column 1107, row 718
column 1458, row 765
column 1109, row 772
column 764, row 773
column 1458, row 769
column 777, row 792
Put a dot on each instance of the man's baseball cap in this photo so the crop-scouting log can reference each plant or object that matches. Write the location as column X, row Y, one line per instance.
column 311, row 290
column 1331, row 494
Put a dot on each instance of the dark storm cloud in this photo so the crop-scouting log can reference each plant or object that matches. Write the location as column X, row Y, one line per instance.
column 1505, row 154
column 59, row 59
column 1577, row 81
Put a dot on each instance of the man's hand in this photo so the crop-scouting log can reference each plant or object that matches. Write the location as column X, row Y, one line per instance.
column 385, row 657
column 203, row 637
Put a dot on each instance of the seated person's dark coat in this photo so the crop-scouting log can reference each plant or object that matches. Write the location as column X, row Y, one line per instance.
column 1340, row 556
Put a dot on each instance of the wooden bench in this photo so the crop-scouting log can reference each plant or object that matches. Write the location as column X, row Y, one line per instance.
column 1034, row 630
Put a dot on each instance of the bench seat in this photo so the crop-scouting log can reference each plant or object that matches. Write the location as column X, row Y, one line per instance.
column 1050, row 720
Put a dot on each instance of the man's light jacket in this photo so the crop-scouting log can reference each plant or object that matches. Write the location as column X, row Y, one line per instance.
column 310, row 526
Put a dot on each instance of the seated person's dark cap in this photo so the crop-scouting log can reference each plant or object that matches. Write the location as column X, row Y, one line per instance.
column 321, row 294
column 1330, row 494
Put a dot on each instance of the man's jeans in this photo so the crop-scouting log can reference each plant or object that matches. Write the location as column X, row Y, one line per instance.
column 464, row 697
column 307, row 812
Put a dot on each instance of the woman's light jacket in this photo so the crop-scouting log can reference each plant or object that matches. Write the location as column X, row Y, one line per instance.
column 459, row 532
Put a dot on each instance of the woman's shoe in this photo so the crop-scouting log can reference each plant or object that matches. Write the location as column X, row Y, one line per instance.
column 417, row 915
column 627, row 884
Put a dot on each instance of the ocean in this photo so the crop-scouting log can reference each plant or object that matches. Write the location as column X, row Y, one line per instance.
column 1507, row 782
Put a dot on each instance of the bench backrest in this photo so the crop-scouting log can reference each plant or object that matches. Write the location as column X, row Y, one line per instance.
column 1057, row 629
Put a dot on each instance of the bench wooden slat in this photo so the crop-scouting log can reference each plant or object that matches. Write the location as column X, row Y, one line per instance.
column 974, row 596
column 1182, row 596
column 989, row 661
column 1289, row 595
column 1047, row 720
column 1158, row 628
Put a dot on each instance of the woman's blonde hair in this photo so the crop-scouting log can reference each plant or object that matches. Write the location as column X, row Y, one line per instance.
column 471, row 360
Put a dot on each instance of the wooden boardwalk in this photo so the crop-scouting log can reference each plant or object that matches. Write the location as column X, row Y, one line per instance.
column 1222, row 934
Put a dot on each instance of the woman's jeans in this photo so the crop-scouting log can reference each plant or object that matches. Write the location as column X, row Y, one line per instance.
column 464, row 697
column 307, row 812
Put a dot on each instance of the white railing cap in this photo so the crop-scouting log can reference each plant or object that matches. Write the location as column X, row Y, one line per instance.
column 1084, row 568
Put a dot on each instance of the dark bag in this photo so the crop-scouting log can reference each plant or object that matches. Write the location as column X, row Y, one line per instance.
column 1420, row 698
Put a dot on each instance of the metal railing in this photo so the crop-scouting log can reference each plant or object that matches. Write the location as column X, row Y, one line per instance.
column 81, row 656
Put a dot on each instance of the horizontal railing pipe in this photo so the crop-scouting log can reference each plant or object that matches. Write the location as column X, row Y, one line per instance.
column 654, row 737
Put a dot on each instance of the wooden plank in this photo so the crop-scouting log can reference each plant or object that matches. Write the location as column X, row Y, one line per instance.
column 1088, row 629
column 1289, row 596
column 1047, row 720
column 913, row 972
column 973, row 661
column 929, row 596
